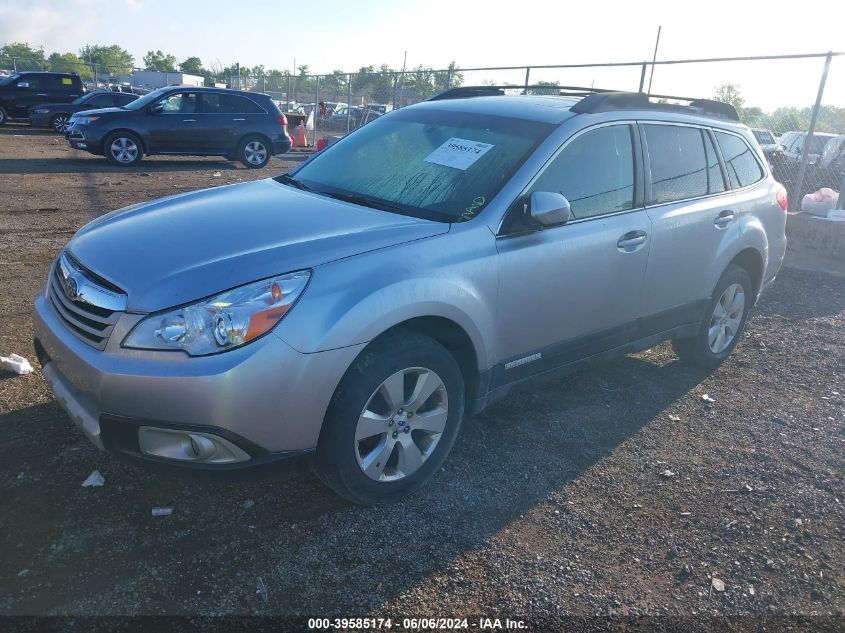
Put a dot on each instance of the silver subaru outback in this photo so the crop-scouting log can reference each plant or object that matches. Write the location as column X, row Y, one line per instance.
column 353, row 311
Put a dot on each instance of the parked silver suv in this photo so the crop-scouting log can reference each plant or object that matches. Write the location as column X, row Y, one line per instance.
column 355, row 310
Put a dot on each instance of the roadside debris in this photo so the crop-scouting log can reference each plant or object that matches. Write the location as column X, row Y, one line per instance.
column 674, row 418
column 261, row 589
column 16, row 364
column 666, row 474
column 708, row 398
column 162, row 511
column 718, row 585
column 248, row 504
column 94, row 479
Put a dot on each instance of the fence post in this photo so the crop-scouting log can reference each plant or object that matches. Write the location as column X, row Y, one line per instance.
column 805, row 152
column 448, row 79
column 841, row 203
column 527, row 74
column 395, row 88
column 642, row 76
column 348, row 102
column 316, row 109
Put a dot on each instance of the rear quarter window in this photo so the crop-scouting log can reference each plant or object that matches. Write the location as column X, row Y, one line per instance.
column 743, row 167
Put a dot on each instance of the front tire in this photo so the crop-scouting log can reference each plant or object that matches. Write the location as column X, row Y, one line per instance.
column 724, row 321
column 254, row 152
column 392, row 420
column 123, row 149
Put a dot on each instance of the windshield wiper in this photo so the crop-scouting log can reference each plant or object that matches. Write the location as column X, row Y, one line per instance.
column 293, row 182
column 364, row 201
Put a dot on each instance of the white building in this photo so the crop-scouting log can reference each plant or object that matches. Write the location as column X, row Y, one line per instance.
column 153, row 79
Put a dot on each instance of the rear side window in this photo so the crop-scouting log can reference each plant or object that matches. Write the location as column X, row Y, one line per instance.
column 743, row 168
column 595, row 172
column 101, row 101
column 218, row 103
column 678, row 163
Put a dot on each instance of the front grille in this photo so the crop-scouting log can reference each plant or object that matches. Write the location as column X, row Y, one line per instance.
column 90, row 323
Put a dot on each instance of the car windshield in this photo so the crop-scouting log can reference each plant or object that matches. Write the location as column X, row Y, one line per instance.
column 439, row 165
column 817, row 147
column 764, row 137
column 148, row 98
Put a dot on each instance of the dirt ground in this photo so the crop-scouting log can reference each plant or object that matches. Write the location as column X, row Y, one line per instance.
column 555, row 503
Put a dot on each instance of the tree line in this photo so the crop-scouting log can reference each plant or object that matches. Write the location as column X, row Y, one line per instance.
column 377, row 84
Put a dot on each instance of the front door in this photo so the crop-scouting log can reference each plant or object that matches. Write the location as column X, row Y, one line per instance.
column 571, row 291
column 174, row 125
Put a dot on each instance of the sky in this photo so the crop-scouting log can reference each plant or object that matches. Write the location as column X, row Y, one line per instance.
column 345, row 34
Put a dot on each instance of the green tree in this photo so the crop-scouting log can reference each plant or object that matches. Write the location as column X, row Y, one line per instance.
column 552, row 89
column 69, row 63
column 157, row 60
column 383, row 85
column 22, row 56
column 452, row 77
column 334, row 86
column 730, row 93
column 192, row 66
column 108, row 59
column 362, row 81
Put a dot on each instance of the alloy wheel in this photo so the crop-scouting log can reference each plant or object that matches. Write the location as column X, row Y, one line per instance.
column 60, row 124
column 255, row 152
column 401, row 424
column 124, row 149
column 726, row 318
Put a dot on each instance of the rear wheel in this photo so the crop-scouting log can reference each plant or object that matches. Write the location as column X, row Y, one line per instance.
column 254, row 152
column 723, row 324
column 123, row 148
column 60, row 122
column 392, row 420
column 3, row 116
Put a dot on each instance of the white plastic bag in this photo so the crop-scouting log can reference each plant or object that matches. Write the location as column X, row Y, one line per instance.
column 15, row 363
column 820, row 202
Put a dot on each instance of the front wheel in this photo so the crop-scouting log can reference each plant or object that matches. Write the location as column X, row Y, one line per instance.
column 392, row 420
column 254, row 152
column 724, row 321
column 123, row 148
column 59, row 123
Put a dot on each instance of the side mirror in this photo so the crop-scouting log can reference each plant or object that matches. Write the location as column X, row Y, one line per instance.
column 549, row 208
column 23, row 84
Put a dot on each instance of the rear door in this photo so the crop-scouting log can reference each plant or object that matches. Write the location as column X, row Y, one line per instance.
column 62, row 88
column 693, row 213
column 570, row 291
column 174, row 126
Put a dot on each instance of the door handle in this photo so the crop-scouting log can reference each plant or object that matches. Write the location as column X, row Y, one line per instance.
column 238, row 119
column 189, row 120
column 723, row 219
column 631, row 240
column 41, row 94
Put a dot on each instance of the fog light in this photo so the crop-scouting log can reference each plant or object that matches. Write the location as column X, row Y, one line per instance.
column 188, row 446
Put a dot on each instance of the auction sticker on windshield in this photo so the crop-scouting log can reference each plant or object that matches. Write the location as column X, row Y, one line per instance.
column 459, row 153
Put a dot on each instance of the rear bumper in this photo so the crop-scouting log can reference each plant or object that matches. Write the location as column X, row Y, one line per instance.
column 281, row 147
column 265, row 398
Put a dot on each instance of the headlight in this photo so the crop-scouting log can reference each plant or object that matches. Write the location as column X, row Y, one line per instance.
column 84, row 120
column 231, row 319
column 41, row 111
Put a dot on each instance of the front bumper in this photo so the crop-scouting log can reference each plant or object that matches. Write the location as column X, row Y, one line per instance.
column 39, row 120
column 266, row 398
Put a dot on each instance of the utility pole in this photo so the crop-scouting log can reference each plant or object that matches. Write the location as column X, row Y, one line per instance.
column 654, row 59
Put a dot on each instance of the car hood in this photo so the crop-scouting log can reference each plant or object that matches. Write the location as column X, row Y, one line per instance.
column 100, row 111
column 183, row 248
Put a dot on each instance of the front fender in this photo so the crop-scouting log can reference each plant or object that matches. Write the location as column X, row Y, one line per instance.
column 352, row 301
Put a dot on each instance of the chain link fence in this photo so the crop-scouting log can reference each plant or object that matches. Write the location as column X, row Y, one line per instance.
column 794, row 103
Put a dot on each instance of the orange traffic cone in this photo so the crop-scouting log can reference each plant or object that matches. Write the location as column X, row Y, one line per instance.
column 301, row 138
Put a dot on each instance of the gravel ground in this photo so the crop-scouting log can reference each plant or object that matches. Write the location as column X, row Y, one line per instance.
column 621, row 491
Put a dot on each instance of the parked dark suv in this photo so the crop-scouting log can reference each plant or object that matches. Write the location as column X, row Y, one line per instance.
column 246, row 126
column 22, row 91
column 57, row 115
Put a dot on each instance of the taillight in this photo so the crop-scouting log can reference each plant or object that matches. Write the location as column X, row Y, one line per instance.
column 783, row 200
column 283, row 120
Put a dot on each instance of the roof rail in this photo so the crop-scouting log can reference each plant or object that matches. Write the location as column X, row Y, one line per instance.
column 608, row 101
column 467, row 92
column 600, row 99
